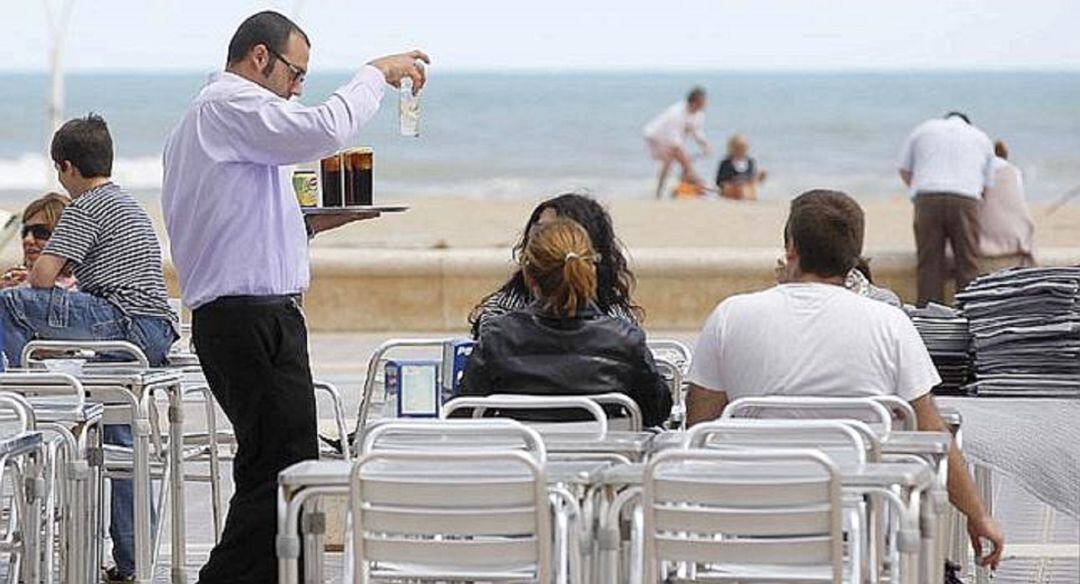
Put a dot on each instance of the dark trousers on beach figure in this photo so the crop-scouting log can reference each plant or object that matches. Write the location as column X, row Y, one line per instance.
column 254, row 353
column 941, row 218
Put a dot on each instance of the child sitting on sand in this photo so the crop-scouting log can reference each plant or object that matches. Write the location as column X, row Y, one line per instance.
column 738, row 176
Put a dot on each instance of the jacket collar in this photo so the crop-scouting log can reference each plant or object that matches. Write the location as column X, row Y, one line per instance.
column 541, row 309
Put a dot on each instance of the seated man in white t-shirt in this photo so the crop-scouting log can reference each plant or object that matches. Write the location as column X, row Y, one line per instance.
column 811, row 336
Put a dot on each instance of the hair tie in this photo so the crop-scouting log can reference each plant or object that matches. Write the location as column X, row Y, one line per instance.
column 571, row 256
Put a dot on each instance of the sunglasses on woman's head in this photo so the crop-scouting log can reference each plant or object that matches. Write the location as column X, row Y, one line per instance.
column 39, row 231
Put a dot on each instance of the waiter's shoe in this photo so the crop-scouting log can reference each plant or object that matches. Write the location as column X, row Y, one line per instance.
column 113, row 576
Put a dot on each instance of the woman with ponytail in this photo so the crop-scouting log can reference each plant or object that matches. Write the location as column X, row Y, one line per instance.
column 562, row 343
column 614, row 280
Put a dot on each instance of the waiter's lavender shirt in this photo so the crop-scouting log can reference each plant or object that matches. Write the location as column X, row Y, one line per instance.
column 234, row 224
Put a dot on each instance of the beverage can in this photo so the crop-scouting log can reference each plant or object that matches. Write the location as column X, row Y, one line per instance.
column 306, row 185
column 409, row 109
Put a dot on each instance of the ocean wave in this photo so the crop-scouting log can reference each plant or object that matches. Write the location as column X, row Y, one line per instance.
column 35, row 171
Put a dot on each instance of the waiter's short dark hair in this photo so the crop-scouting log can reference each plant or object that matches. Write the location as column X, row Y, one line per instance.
column 86, row 144
column 695, row 94
column 826, row 228
column 960, row 115
column 268, row 28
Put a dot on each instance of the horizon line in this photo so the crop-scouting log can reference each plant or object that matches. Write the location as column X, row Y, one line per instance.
column 1038, row 69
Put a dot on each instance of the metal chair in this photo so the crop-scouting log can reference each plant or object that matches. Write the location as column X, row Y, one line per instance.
column 454, row 435
column 73, row 471
column 479, row 405
column 863, row 409
column 903, row 414
column 840, row 441
column 22, row 465
column 440, row 515
column 676, row 352
column 740, row 515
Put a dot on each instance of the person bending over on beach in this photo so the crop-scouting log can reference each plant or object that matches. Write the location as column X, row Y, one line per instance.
column 110, row 242
column 562, row 343
column 1006, row 229
column 666, row 133
column 39, row 220
column 614, row 279
column 738, row 176
column 947, row 163
column 811, row 336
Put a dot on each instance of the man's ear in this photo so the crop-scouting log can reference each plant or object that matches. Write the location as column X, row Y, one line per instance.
column 791, row 255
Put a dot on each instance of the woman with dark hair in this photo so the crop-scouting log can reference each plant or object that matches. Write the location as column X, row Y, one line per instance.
column 595, row 353
column 614, row 280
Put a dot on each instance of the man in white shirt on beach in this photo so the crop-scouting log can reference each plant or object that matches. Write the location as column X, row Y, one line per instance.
column 240, row 247
column 947, row 163
column 666, row 133
column 810, row 336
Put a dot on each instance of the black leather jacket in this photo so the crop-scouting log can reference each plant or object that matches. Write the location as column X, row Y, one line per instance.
column 533, row 352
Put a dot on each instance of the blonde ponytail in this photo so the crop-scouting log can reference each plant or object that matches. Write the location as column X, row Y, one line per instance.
column 560, row 259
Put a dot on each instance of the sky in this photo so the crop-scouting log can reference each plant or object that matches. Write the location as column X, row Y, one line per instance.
column 568, row 35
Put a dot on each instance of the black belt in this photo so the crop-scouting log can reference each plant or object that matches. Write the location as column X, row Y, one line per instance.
column 267, row 300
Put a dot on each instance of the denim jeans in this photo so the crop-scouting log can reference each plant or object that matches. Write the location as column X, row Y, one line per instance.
column 59, row 314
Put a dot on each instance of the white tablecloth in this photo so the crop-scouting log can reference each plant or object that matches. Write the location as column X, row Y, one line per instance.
column 1035, row 441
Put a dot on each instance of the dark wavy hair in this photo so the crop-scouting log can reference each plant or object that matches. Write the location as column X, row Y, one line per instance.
column 614, row 280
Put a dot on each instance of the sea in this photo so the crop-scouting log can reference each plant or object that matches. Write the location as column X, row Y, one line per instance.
column 528, row 135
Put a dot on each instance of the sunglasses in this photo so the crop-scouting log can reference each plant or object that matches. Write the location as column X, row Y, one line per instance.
column 38, row 231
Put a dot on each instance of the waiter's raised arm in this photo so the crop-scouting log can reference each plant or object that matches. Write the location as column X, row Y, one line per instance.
column 262, row 129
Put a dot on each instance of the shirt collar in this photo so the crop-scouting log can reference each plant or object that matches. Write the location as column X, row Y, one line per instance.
column 229, row 78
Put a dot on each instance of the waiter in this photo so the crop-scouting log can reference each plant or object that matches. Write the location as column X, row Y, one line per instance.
column 239, row 244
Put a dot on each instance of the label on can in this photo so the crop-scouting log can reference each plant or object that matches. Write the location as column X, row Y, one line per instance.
column 306, row 185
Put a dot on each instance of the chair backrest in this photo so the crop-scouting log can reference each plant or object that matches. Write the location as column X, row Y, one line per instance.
column 837, row 439
column 98, row 348
column 743, row 511
column 478, row 405
column 453, row 435
column 902, row 413
column 672, row 350
column 57, row 390
column 673, row 375
column 450, row 516
column 21, row 408
column 863, row 409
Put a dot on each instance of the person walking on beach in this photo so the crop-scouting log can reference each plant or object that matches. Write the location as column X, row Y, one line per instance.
column 239, row 243
column 947, row 163
column 666, row 133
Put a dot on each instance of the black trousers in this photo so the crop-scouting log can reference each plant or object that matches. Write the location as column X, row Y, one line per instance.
column 254, row 354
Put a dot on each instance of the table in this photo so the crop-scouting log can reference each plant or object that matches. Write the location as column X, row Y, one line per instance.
column 1033, row 440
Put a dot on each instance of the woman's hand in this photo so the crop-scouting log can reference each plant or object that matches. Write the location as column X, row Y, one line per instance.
column 14, row 276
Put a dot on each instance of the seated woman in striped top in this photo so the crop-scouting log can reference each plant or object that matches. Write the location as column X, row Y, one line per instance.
column 614, row 280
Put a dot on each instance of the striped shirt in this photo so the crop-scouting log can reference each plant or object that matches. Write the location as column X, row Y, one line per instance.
column 504, row 302
column 111, row 242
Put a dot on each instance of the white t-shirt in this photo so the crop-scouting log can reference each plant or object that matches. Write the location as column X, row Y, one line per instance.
column 811, row 340
column 672, row 125
column 948, row 156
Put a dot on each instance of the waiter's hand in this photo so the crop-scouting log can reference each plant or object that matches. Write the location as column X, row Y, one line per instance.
column 319, row 223
column 396, row 67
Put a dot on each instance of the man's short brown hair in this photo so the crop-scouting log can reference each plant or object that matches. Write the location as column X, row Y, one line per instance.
column 826, row 228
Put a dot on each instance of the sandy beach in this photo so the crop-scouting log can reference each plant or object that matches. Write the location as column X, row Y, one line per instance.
column 469, row 223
